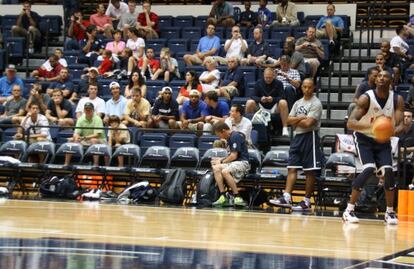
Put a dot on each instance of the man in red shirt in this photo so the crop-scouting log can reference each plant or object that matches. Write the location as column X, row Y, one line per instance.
column 76, row 30
column 50, row 74
column 148, row 21
column 102, row 21
column 149, row 65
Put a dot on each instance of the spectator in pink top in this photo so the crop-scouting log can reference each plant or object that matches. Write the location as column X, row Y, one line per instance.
column 116, row 46
column 102, row 22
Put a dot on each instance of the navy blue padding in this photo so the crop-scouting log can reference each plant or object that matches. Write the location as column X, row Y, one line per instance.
column 206, row 141
column 156, row 157
column 192, row 33
column 183, row 21
column 153, row 139
column 200, row 21
column 8, row 21
column 182, row 140
column 165, row 21
column 153, row 87
column 156, row 44
column 185, row 157
column 15, row 148
column 178, row 45
column 15, row 46
column 170, row 32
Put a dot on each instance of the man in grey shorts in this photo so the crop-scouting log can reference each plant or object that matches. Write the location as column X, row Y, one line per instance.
column 234, row 167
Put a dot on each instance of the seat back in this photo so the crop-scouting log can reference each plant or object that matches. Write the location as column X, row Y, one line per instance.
column 153, row 139
column 205, row 161
column 75, row 149
column 156, row 157
column 15, row 46
column 205, row 142
column 45, row 148
column 14, row 148
column 131, row 154
column 102, row 150
column 182, row 140
column 275, row 161
column 185, row 157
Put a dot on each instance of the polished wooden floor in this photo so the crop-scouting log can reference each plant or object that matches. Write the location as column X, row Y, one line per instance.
column 204, row 229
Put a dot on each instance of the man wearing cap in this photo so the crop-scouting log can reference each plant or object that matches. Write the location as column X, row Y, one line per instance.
column 137, row 111
column 98, row 103
column 191, row 116
column 7, row 82
column 64, row 83
column 88, row 137
column 165, row 110
column 117, row 104
column 82, row 90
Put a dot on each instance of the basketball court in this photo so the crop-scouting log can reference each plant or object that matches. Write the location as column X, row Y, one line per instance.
column 48, row 234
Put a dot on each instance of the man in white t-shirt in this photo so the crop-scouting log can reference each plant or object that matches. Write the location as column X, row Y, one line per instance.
column 34, row 118
column 115, row 10
column 98, row 103
column 238, row 123
column 236, row 46
column 400, row 47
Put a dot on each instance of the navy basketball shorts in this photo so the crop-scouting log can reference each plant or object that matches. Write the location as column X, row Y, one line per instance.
column 371, row 153
column 305, row 152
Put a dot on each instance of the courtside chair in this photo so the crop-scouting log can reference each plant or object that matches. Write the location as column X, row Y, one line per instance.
column 205, row 161
column 131, row 154
column 185, row 157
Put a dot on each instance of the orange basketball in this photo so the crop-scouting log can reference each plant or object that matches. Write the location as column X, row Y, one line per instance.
column 383, row 129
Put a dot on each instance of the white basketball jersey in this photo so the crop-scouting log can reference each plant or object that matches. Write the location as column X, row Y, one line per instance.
column 375, row 111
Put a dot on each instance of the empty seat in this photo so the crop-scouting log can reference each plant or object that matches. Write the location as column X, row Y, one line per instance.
column 8, row 21
column 170, row 32
column 205, row 161
column 165, row 21
column 156, row 157
column 183, row 21
column 14, row 148
column 182, row 140
column 178, row 45
column 131, row 154
column 15, row 46
column 200, row 21
column 75, row 149
column 185, row 157
column 205, row 142
column 193, row 33
column 276, row 158
column 101, row 150
column 153, row 139
column 53, row 23
column 45, row 148
column 63, row 136
column 8, row 134
column 156, row 44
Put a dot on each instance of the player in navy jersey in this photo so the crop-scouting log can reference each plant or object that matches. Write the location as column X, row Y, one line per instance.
column 375, row 156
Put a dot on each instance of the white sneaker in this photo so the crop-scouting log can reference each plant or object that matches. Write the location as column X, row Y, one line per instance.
column 285, row 131
column 391, row 218
column 349, row 217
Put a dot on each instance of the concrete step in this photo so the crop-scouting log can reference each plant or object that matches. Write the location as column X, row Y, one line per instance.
column 364, row 52
column 335, row 81
column 354, row 66
column 330, row 131
column 336, row 114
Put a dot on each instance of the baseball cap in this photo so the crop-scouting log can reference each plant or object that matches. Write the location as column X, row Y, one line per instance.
column 114, row 84
column 94, row 69
column 11, row 67
column 166, row 89
column 194, row 92
column 88, row 105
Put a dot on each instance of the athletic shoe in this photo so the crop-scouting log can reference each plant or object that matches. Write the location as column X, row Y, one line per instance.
column 349, row 217
column 281, row 202
column 238, row 201
column 221, row 201
column 302, row 206
column 109, row 195
column 391, row 218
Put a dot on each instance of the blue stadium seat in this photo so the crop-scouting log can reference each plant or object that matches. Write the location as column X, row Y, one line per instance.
column 76, row 70
column 63, row 136
column 205, row 142
column 182, row 140
column 101, row 150
column 178, row 45
column 46, row 148
column 51, row 22
column 183, row 21
column 8, row 21
column 185, row 157
column 153, row 87
column 165, row 21
column 8, row 134
column 193, row 45
column 200, row 21
column 408, row 74
column 249, row 73
column 280, row 33
column 193, row 33
column 254, row 136
column 153, row 139
column 262, row 133
column 15, row 148
column 156, row 157
column 220, row 32
column 250, row 89
column 197, row 68
column 275, row 52
column 312, row 20
column 275, row 43
column 75, row 149
column 301, row 17
column 205, row 161
column 170, row 32
column 300, row 31
column 177, row 84
column 2, row 59
column 15, row 46
column 71, row 59
column 131, row 154
column 156, row 44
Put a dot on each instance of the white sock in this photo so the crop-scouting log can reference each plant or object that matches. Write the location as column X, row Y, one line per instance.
column 287, row 196
column 390, row 209
column 307, row 201
column 350, row 207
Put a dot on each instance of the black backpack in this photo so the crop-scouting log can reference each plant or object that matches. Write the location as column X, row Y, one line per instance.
column 207, row 191
column 55, row 187
column 174, row 188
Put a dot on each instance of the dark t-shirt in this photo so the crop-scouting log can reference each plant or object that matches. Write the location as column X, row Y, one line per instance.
column 274, row 89
column 95, row 47
column 26, row 22
column 237, row 143
column 237, row 76
column 404, row 136
column 161, row 108
column 65, row 105
column 257, row 50
column 248, row 16
column 363, row 88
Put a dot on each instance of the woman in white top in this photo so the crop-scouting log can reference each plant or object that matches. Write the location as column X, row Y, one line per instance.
column 210, row 79
column 135, row 43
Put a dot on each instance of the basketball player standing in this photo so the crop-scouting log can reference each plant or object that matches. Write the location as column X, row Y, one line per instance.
column 375, row 156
